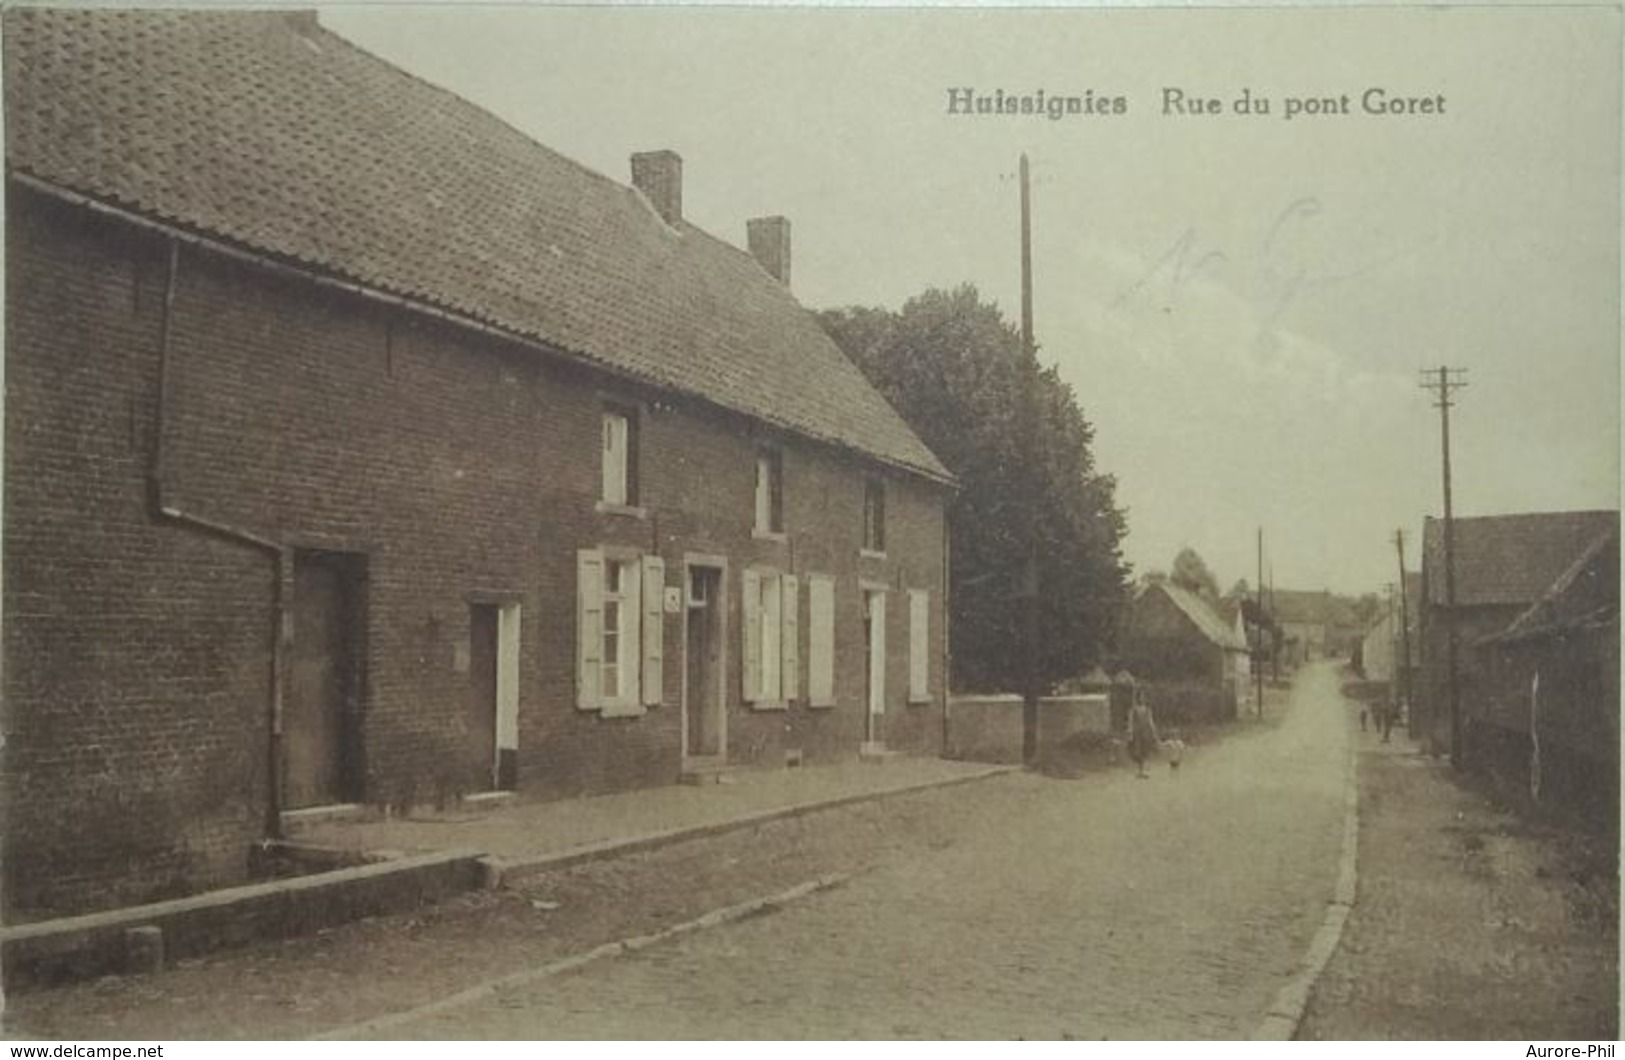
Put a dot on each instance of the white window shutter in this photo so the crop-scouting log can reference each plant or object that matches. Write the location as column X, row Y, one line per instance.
column 589, row 628
column 753, row 635
column 789, row 637
column 919, row 658
column 821, row 641
column 654, row 622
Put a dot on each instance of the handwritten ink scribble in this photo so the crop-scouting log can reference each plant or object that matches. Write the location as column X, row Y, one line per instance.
column 1279, row 276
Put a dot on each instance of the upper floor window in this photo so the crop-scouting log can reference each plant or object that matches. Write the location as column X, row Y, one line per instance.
column 620, row 457
column 769, row 492
column 874, row 515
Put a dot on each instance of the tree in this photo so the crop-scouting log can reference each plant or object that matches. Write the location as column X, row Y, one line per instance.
column 955, row 369
column 1190, row 572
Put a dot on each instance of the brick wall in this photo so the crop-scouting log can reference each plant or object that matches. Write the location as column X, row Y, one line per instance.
column 461, row 468
column 137, row 656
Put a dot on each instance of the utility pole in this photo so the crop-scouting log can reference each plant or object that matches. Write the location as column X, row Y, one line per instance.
column 1029, row 579
column 1442, row 381
column 1275, row 641
column 1258, row 656
column 1404, row 630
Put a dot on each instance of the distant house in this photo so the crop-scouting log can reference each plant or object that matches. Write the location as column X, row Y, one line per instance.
column 1174, row 637
column 1384, row 648
column 1547, row 701
column 1302, row 617
column 1344, row 629
column 361, row 450
column 1504, row 564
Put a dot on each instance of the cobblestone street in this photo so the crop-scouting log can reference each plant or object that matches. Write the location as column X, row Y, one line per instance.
column 1018, row 906
column 1112, row 907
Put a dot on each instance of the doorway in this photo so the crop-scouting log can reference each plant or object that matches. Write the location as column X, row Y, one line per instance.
column 704, row 717
column 493, row 697
column 874, row 635
column 481, row 746
column 322, row 713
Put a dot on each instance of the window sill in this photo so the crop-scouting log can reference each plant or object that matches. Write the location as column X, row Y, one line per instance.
column 630, row 510
column 869, row 553
column 923, row 701
column 770, row 704
column 770, row 535
column 821, row 704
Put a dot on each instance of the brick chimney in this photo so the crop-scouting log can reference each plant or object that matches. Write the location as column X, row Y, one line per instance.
column 769, row 240
column 659, row 175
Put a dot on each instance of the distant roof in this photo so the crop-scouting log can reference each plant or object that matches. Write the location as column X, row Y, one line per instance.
column 1296, row 605
column 1510, row 559
column 265, row 131
column 1202, row 616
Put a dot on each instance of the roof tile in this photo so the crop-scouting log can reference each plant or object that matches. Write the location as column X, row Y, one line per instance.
column 1510, row 559
column 266, row 131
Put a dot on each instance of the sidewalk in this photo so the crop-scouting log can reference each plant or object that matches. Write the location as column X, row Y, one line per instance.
column 1469, row 922
column 520, row 834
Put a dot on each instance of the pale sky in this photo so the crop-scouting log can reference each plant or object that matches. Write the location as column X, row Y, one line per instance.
column 1242, row 303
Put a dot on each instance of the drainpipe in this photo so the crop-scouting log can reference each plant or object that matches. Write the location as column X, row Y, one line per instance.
column 281, row 558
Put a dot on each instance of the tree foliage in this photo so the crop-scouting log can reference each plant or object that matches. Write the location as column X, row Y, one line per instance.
column 1191, row 572
column 955, row 370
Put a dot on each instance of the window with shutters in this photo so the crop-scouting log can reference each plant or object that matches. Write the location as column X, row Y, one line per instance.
column 769, row 492
column 874, row 516
column 919, row 646
column 771, row 621
column 619, row 631
column 820, row 640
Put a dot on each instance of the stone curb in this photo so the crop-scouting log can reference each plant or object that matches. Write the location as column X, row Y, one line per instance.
column 369, row 1029
column 499, row 872
column 119, row 940
column 1281, row 1019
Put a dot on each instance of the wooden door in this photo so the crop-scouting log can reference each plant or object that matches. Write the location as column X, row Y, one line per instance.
column 319, row 720
column 874, row 635
column 481, row 746
column 702, row 704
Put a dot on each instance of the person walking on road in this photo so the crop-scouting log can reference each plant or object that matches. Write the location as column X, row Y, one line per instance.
column 1142, row 733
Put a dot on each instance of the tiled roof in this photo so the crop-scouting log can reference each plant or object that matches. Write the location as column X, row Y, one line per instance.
column 1586, row 593
column 267, row 132
column 1297, row 605
column 1202, row 616
column 1506, row 560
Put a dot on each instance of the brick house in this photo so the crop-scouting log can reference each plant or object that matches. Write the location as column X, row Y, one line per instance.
column 360, row 449
column 1503, row 565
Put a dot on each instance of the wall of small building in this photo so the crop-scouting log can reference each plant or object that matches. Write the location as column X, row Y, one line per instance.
column 456, row 469
column 1430, row 715
column 1569, row 723
column 1162, row 644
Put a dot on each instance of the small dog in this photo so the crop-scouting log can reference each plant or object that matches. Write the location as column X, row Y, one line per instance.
column 1174, row 748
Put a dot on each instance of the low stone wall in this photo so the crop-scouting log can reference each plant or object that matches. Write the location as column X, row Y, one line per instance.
column 989, row 728
column 142, row 938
